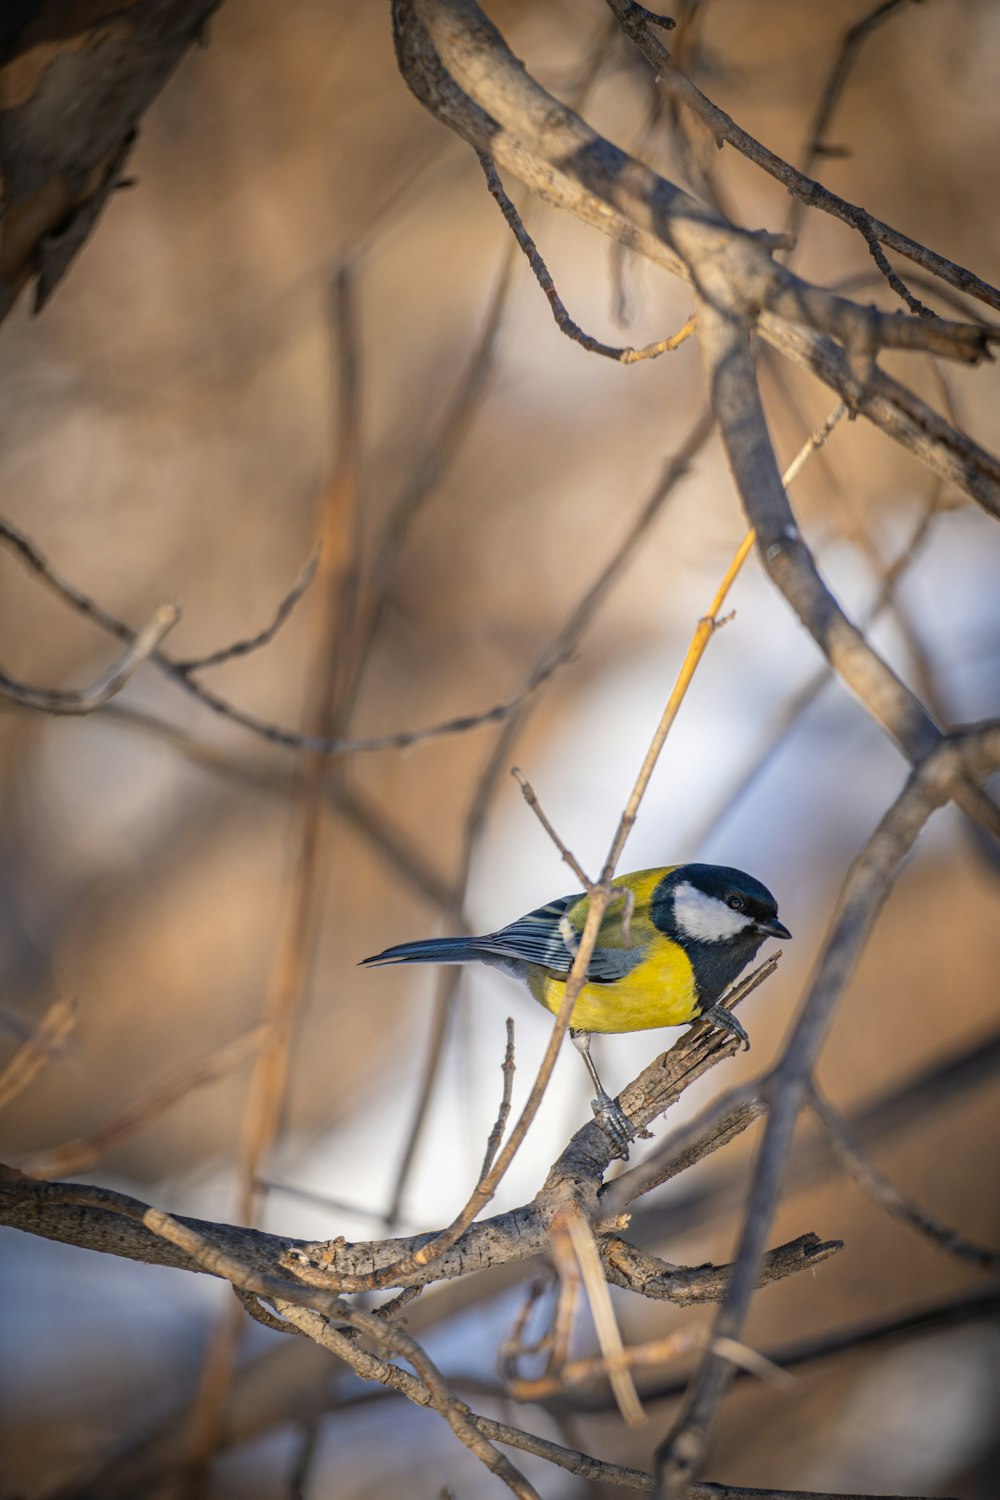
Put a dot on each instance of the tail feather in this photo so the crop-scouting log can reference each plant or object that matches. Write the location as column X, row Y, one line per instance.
column 454, row 950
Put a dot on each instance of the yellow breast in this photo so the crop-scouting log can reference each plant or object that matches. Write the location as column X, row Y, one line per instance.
column 659, row 992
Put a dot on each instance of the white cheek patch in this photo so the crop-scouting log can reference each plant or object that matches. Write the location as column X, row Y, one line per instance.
column 704, row 918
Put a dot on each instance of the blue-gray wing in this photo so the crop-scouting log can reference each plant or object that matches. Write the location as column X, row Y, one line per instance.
column 538, row 938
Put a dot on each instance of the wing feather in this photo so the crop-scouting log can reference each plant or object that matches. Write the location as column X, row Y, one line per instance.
column 538, row 938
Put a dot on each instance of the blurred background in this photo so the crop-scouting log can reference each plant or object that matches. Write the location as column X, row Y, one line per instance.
column 170, row 432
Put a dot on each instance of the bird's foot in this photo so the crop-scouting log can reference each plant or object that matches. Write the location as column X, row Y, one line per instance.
column 615, row 1122
column 726, row 1021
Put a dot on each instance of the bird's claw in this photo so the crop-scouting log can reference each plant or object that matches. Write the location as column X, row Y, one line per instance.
column 726, row 1021
column 615, row 1122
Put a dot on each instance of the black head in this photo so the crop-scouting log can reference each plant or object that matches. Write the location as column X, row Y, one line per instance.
column 720, row 917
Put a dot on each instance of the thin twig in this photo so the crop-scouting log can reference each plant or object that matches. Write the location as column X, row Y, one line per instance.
column 752, row 1362
column 87, row 700
column 559, row 649
column 503, row 1114
column 588, row 1258
column 275, row 734
column 887, row 1195
column 567, row 855
column 263, row 637
column 811, row 193
column 542, row 274
column 583, row 1371
column 37, row 1049
column 817, row 145
column 825, row 674
column 681, row 1454
column 86, row 1150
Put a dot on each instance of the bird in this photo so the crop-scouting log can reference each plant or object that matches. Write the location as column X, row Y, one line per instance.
column 672, row 941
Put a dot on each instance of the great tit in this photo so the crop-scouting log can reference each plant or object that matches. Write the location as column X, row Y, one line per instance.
column 671, row 942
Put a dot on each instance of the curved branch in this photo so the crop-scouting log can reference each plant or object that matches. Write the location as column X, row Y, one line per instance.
column 459, row 66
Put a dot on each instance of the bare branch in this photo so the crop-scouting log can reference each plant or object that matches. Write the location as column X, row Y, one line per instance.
column 273, row 733
column 638, row 1271
column 811, row 193
column 458, row 64
column 109, row 1222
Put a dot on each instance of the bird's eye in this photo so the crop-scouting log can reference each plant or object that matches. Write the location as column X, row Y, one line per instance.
column 736, row 902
